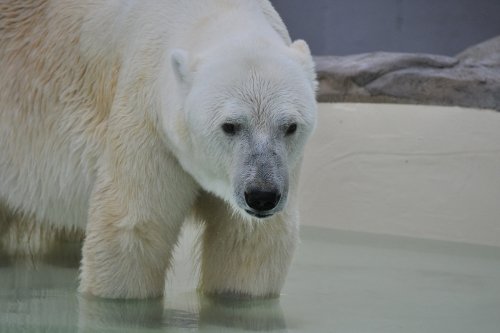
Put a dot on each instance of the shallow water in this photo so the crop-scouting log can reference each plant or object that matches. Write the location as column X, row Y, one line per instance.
column 339, row 282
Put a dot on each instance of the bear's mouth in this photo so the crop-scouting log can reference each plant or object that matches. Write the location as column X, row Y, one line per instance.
column 260, row 215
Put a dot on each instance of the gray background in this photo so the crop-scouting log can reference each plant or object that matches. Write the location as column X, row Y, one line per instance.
column 355, row 26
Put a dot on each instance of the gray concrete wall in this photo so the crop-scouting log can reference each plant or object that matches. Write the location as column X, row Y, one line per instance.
column 355, row 26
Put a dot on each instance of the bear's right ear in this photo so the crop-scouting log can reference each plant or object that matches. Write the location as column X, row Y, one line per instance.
column 180, row 64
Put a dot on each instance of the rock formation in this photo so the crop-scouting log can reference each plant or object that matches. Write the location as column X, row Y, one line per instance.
column 470, row 79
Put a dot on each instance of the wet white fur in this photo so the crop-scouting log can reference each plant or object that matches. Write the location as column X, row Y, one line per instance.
column 99, row 130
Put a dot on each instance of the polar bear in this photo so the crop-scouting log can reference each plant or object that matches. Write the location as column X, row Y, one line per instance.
column 122, row 118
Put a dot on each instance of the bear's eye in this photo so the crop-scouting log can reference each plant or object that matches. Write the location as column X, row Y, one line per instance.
column 291, row 129
column 230, row 129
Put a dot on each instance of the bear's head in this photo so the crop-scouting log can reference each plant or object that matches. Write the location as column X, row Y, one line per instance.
column 244, row 117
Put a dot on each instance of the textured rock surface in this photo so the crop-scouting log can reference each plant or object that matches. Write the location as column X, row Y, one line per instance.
column 471, row 79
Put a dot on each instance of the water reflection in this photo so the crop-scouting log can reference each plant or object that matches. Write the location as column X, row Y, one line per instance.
column 97, row 313
column 254, row 315
column 41, row 294
column 37, row 297
column 205, row 314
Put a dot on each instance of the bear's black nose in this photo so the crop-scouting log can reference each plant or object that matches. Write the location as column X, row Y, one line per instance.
column 262, row 201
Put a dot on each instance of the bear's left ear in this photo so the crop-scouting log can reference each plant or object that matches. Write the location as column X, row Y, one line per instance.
column 301, row 47
column 301, row 51
column 180, row 65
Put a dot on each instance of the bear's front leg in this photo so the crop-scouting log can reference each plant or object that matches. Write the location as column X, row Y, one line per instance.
column 245, row 258
column 123, row 256
column 134, row 222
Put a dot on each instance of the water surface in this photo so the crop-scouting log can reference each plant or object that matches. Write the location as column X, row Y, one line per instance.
column 339, row 282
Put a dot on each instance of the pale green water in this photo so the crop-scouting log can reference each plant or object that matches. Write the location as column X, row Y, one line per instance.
column 339, row 282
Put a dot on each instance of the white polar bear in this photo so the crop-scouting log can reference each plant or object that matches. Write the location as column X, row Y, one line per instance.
column 124, row 117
